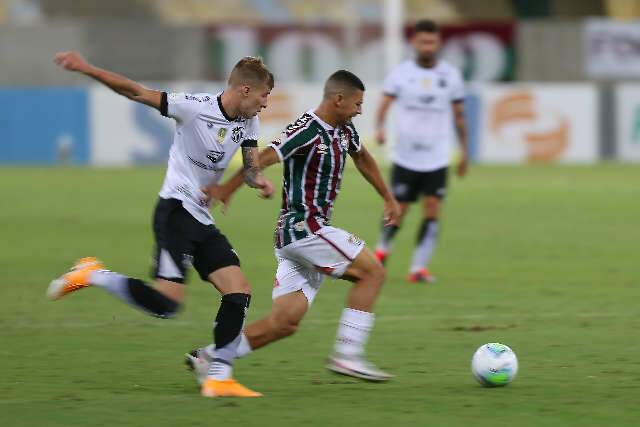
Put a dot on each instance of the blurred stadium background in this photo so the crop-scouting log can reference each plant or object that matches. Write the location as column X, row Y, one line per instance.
column 541, row 257
column 545, row 77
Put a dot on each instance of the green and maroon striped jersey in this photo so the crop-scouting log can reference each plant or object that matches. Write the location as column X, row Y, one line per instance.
column 314, row 155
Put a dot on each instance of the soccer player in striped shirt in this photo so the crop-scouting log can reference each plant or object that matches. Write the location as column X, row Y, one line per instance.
column 308, row 248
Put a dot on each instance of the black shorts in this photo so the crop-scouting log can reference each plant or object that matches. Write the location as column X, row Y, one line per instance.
column 181, row 240
column 407, row 184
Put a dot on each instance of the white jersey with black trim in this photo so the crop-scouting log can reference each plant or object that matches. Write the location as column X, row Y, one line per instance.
column 424, row 125
column 206, row 139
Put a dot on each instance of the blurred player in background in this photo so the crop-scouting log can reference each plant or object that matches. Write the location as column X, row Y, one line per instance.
column 429, row 97
column 313, row 151
column 209, row 130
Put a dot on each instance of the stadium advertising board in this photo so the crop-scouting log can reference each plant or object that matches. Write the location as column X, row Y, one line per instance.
column 627, row 98
column 550, row 123
column 44, row 126
column 612, row 48
column 485, row 51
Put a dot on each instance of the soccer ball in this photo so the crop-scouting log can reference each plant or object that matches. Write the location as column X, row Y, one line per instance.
column 494, row 365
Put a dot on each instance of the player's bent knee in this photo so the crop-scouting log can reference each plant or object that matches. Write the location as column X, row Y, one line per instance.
column 376, row 270
column 243, row 287
column 230, row 280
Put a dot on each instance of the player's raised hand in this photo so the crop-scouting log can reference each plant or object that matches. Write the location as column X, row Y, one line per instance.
column 265, row 187
column 391, row 213
column 71, row 61
column 381, row 136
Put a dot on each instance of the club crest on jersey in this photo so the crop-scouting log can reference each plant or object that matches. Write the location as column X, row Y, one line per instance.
column 215, row 156
column 344, row 141
column 237, row 134
column 222, row 133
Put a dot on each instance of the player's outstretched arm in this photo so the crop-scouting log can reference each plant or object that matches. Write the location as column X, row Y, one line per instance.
column 368, row 168
column 73, row 61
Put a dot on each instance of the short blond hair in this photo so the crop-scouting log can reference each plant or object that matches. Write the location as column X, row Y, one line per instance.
column 251, row 71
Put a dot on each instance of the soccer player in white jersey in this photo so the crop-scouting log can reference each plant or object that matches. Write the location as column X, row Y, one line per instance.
column 314, row 151
column 429, row 97
column 209, row 130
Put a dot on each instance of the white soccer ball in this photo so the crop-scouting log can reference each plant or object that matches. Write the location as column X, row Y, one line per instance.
column 494, row 365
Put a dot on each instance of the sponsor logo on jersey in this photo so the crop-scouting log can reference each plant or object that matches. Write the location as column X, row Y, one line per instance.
column 187, row 192
column 298, row 124
column 322, row 148
column 215, row 156
column 427, row 99
column 299, row 226
column 206, row 166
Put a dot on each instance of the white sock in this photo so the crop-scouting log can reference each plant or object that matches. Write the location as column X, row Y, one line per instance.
column 425, row 247
column 353, row 332
column 242, row 350
column 114, row 283
column 244, row 347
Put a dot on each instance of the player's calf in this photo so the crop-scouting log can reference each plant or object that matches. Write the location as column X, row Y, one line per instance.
column 368, row 276
column 135, row 292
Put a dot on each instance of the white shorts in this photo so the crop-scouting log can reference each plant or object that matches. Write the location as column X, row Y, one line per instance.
column 303, row 264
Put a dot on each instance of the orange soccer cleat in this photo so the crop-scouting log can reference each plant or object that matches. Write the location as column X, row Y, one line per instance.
column 421, row 276
column 226, row 388
column 381, row 255
column 76, row 278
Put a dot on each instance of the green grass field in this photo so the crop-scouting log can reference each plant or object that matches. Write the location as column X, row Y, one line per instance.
column 544, row 259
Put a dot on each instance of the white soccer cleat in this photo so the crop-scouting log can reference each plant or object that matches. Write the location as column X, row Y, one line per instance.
column 198, row 362
column 356, row 366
